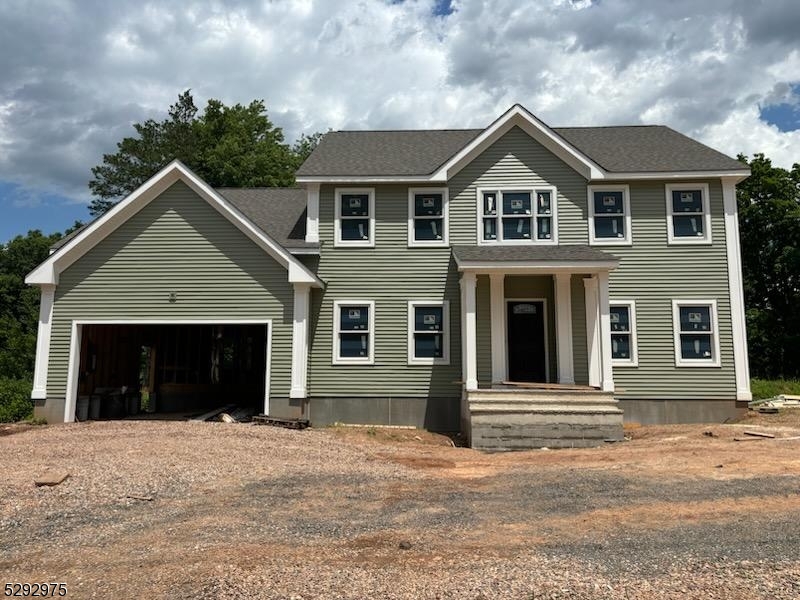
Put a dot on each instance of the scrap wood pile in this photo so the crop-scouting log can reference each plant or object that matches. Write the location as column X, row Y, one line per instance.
column 773, row 405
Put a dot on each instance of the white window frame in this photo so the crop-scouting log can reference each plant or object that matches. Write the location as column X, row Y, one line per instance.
column 351, row 360
column 627, row 240
column 688, row 187
column 633, row 361
column 338, row 241
column 445, row 359
column 445, row 241
column 714, row 361
column 532, row 190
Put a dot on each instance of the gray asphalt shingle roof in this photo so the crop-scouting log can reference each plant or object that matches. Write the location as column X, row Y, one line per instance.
column 624, row 149
column 571, row 253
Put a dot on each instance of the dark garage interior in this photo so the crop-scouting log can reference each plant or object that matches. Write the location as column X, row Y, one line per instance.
column 170, row 371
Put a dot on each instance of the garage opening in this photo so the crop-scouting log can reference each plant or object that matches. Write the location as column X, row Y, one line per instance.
column 170, row 371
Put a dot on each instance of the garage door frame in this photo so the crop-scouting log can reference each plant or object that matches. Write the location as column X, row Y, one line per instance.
column 77, row 335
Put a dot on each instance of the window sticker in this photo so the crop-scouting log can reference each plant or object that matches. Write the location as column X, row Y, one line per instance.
column 614, row 317
column 524, row 309
column 609, row 201
column 687, row 196
column 429, row 319
column 354, row 314
column 695, row 317
column 355, row 202
column 427, row 203
column 516, row 204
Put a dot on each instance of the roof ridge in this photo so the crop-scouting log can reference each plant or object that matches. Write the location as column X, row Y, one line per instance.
column 260, row 187
column 608, row 126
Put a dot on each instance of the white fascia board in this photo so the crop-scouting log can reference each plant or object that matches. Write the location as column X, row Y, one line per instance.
column 738, row 175
column 537, row 267
column 519, row 116
column 339, row 179
column 48, row 271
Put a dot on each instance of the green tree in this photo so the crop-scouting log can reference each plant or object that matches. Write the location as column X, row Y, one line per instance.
column 234, row 146
column 769, row 225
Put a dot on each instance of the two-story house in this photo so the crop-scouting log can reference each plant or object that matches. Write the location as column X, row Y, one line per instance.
column 525, row 284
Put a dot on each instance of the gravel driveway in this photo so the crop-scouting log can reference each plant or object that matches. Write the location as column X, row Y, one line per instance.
column 241, row 511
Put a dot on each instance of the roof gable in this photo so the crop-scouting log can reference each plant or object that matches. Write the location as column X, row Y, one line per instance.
column 92, row 234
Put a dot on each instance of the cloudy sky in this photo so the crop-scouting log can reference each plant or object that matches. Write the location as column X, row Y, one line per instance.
column 74, row 75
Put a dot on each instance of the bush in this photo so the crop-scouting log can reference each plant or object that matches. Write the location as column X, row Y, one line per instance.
column 769, row 388
column 15, row 400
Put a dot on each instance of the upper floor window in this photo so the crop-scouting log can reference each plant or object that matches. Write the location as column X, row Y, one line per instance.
column 427, row 216
column 695, row 330
column 688, row 214
column 609, row 215
column 623, row 333
column 517, row 215
column 355, row 217
column 353, row 332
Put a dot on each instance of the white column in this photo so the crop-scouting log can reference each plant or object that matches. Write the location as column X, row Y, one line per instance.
column 736, row 289
column 563, row 302
column 592, row 330
column 43, row 341
column 607, row 374
column 302, row 298
column 73, row 372
column 498, row 318
column 469, row 334
column 312, row 213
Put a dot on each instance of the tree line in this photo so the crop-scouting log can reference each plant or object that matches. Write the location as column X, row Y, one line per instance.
column 239, row 146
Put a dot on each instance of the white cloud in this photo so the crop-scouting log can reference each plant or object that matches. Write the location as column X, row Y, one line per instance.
column 76, row 75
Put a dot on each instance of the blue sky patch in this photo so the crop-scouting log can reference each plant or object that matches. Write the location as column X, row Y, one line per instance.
column 784, row 115
column 442, row 8
column 46, row 212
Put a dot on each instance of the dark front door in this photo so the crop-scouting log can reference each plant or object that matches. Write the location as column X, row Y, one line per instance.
column 526, row 358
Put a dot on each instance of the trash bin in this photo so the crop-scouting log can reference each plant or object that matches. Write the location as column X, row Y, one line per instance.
column 82, row 408
column 94, row 407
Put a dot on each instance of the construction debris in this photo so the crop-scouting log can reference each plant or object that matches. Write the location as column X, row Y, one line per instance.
column 137, row 497
column 51, row 478
column 226, row 418
column 772, row 405
column 280, row 422
column 759, row 434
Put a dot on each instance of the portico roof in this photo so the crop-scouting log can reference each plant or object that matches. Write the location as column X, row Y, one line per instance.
column 543, row 257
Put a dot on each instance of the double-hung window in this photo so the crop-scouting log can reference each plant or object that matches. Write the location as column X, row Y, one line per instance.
column 609, row 215
column 353, row 332
column 623, row 333
column 427, row 216
column 428, row 332
column 355, row 217
column 688, row 214
column 696, row 336
column 517, row 216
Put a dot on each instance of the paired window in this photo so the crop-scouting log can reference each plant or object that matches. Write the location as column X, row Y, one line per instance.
column 355, row 217
column 609, row 215
column 696, row 336
column 354, row 332
column 623, row 333
column 427, row 216
column 688, row 214
column 517, row 216
column 428, row 332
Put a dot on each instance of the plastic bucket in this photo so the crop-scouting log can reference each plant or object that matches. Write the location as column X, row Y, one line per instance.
column 82, row 408
column 94, row 407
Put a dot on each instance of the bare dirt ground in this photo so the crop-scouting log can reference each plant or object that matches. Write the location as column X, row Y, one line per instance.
column 242, row 511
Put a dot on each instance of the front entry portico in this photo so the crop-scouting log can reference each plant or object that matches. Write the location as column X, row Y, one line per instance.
column 549, row 345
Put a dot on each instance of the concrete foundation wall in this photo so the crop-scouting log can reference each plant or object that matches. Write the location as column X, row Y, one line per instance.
column 655, row 412
column 52, row 410
column 435, row 414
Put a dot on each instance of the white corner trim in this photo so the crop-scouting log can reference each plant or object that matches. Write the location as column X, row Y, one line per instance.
column 88, row 238
column 518, row 116
column 627, row 239
column 469, row 335
column 44, row 332
column 592, row 330
column 445, row 359
column 312, row 213
column 445, row 241
column 564, row 342
column 714, row 361
column 367, row 360
column 534, row 215
column 76, row 336
column 633, row 361
column 706, row 238
column 338, row 242
column 607, row 372
column 736, row 288
column 497, row 308
column 300, row 321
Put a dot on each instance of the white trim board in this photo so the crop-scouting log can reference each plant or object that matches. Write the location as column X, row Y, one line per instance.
column 76, row 336
column 48, row 272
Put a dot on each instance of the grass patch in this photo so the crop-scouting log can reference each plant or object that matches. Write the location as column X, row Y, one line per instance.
column 769, row 388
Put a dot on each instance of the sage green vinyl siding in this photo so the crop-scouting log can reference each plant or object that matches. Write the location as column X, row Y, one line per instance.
column 517, row 160
column 653, row 273
column 177, row 243
column 391, row 274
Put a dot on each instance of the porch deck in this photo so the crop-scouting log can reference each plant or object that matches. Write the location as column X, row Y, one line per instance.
column 516, row 416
